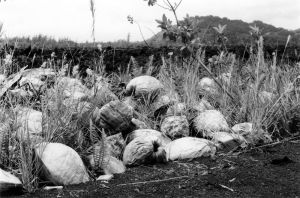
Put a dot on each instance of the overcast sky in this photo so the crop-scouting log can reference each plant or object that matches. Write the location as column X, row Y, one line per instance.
column 72, row 18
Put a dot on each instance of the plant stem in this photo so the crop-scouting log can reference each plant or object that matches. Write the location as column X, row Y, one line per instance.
column 173, row 9
column 142, row 34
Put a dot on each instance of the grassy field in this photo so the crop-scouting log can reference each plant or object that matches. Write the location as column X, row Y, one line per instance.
column 264, row 92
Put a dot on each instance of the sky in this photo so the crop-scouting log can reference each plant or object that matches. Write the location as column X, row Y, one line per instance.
column 72, row 19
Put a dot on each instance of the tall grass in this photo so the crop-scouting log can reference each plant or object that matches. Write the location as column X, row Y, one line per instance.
column 178, row 77
column 250, row 83
column 247, row 83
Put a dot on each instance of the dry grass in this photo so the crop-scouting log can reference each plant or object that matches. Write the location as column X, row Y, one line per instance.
column 247, row 81
column 60, row 126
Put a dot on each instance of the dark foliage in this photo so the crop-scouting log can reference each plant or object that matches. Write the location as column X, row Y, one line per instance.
column 237, row 32
column 117, row 59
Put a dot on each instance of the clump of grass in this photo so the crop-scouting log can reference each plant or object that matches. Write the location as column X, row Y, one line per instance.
column 58, row 123
column 261, row 77
column 27, row 163
column 248, row 81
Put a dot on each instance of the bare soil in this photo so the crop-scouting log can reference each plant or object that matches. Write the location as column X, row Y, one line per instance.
column 270, row 171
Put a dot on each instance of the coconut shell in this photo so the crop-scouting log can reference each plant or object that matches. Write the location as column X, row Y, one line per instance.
column 116, row 145
column 175, row 126
column 143, row 86
column 61, row 164
column 189, row 148
column 115, row 117
column 227, row 141
column 146, row 132
column 9, row 182
column 144, row 150
column 29, row 122
column 210, row 121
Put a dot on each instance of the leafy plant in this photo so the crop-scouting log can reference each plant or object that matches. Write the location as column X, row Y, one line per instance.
column 221, row 38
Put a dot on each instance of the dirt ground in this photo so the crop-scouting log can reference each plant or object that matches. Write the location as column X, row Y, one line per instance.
column 272, row 171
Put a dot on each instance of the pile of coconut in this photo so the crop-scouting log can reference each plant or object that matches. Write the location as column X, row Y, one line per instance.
column 125, row 140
